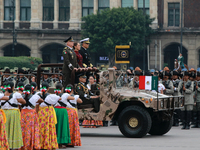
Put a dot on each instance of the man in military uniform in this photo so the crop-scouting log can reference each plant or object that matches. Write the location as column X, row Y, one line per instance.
column 177, row 88
column 47, row 79
column 188, row 88
column 169, row 90
column 22, row 78
column 197, row 125
column 83, row 51
column 85, row 94
column 7, row 78
column 70, row 61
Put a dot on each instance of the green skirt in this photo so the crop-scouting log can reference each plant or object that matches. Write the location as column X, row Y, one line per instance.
column 62, row 126
column 13, row 128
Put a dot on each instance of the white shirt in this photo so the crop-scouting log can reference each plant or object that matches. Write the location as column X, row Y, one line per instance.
column 33, row 101
column 50, row 99
column 73, row 101
column 64, row 99
column 160, row 87
column 13, row 100
column 1, row 95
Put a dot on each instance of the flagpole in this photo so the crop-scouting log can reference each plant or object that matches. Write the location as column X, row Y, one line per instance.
column 157, row 94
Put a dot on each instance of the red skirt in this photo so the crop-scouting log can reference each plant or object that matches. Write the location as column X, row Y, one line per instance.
column 74, row 127
column 30, row 129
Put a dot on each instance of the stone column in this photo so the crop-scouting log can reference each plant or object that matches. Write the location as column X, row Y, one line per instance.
column 192, row 52
column 1, row 13
column 74, row 22
column 36, row 14
column 153, row 12
column 135, row 4
column 56, row 14
column 17, row 13
column 95, row 6
column 115, row 3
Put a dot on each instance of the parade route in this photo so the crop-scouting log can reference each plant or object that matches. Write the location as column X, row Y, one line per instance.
column 110, row 138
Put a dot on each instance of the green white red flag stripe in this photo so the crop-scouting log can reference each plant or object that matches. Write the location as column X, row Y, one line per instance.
column 148, row 83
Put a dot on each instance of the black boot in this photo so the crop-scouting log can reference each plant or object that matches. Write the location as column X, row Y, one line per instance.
column 182, row 117
column 175, row 120
column 188, row 118
column 198, row 119
column 195, row 122
column 184, row 113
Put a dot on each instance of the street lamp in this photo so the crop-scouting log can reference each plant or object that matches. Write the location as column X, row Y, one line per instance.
column 14, row 34
column 144, row 54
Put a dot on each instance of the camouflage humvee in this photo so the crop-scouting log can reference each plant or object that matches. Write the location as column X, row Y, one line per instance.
column 137, row 112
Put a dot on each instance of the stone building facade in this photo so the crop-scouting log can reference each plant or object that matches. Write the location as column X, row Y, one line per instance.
column 42, row 25
column 168, row 34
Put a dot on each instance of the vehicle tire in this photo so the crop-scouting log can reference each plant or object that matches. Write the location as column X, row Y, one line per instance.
column 134, row 122
column 159, row 127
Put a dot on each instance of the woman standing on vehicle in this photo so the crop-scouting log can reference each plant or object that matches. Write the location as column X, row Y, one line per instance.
column 77, row 47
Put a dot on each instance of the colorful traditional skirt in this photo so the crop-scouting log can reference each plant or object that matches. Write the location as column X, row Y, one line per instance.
column 30, row 129
column 92, row 123
column 3, row 136
column 74, row 127
column 47, row 122
column 62, row 126
column 13, row 128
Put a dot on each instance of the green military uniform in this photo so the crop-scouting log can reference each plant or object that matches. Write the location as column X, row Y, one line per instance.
column 188, row 101
column 70, row 62
column 49, row 81
column 181, row 61
column 24, row 80
column 85, row 95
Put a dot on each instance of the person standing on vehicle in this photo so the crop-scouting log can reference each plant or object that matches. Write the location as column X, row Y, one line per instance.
column 70, row 61
column 83, row 51
column 188, row 88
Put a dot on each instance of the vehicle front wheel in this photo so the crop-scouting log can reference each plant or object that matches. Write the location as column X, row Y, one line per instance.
column 134, row 122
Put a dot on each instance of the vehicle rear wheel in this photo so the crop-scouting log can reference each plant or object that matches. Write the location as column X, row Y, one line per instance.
column 134, row 122
column 160, row 127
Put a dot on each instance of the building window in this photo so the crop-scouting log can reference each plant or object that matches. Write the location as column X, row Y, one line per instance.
column 25, row 10
column 87, row 7
column 103, row 4
column 173, row 14
column 127, row 3
column 48, row 10
column 64, row 10
column 9, row 7
column 140, row 6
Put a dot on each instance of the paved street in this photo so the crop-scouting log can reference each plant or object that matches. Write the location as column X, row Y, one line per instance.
column 110, row 138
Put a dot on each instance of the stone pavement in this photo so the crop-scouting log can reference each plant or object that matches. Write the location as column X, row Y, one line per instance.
column 110, row 138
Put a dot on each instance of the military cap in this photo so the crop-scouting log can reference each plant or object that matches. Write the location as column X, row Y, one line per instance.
column 165, row 73
column 86, row 40
column 198, row 74
column 137, row 69
column 175, row 73
column 82, row 75
column 186, row 73
column 70, row 39
column 7, row 70
column 192, row 70
column 20, row 70
column 192, row 74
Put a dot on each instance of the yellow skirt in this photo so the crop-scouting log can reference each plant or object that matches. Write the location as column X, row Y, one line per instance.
column 47, row 122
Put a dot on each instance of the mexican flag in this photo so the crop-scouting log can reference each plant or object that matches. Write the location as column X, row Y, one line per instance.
column 148, row 83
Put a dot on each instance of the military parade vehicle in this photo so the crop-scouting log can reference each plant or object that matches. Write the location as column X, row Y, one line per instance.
column 137, row 112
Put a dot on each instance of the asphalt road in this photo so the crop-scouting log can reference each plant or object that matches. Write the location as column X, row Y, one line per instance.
column 110, row 138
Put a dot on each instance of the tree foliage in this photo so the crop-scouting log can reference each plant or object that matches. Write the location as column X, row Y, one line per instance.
column 117, row 26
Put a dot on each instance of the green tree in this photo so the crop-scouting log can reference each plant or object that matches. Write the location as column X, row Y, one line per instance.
column 117, row 26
